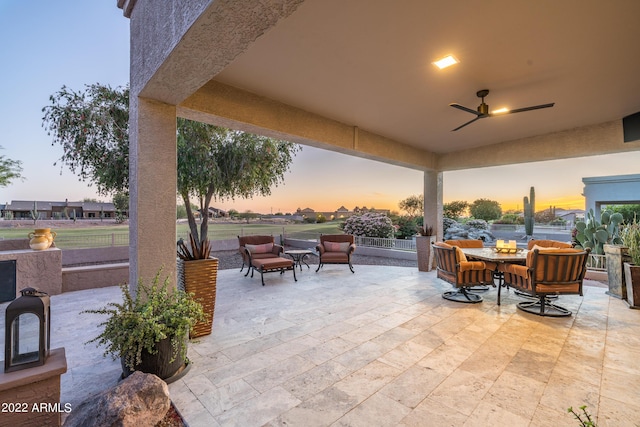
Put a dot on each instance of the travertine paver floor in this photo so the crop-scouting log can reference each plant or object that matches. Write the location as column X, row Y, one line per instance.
column 381, row 347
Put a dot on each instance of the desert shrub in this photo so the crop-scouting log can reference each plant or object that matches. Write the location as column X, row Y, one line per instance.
column 406, row 227
column 510, row 218
column 369, row 224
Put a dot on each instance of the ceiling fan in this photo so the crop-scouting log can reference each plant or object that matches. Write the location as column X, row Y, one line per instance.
column 483, row 109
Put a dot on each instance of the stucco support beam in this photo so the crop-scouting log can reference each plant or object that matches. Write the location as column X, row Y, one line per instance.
column 224, row 105
column 433, row 197
column 152, row 189
column 592, row 140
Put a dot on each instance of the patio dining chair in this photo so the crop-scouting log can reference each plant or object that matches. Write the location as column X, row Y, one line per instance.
column 470, row 243
column 452, row 266
column 466, row 243
column 557, row 271
column 544, row 243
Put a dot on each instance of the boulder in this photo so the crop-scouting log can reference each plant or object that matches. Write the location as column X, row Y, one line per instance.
column 139, row 400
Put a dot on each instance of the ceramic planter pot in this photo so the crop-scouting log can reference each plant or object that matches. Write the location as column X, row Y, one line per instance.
column 159, row 364
column 424, row 251
column 616, row 256
column 632, row 278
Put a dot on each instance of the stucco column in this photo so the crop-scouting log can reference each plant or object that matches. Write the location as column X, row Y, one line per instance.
column 433, row 201
column 152, row 189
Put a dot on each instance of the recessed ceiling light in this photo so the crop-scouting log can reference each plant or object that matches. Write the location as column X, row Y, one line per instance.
column 445, row 62
column 500, row 110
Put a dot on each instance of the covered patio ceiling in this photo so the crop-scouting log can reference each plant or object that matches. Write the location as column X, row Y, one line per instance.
column 367, row 64
column 356, row 76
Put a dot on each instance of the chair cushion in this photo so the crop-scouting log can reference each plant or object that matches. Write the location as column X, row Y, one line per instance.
column 461, row 256
column 271, row 263
column 330, row 257
column 260, row 249
column 336, row 246
column 472, row 265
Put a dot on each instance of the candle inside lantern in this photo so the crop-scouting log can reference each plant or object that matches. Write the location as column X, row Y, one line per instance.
column 500, row 244
column 513, row 244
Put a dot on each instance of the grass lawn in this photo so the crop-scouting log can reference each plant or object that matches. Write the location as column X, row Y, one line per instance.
column 94, row 235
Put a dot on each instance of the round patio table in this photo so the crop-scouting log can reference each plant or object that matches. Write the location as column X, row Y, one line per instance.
column 299, row 256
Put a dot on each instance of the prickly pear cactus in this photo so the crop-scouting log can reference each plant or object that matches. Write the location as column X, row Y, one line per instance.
column 594, row 234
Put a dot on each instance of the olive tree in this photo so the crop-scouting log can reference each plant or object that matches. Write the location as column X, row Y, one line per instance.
column 413, row 205
column 485, row 209
column 9, row 170
column 92, row 127
column 455, row 209
column 218, row 163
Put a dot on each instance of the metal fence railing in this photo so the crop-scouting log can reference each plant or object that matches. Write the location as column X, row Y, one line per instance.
column 379, row 242
column 597, row 262
column 92, row 240
column 594, row 262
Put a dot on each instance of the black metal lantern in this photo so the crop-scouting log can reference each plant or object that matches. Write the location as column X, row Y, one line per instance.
column 27, row 330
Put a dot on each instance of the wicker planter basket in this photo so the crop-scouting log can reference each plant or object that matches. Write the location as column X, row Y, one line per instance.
column 199, row 278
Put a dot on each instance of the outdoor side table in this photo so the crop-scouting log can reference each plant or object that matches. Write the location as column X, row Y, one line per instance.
column 299, row 256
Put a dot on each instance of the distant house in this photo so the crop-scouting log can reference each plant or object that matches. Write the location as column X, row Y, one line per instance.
column 570, row 215
column 339, row 213
column 23, row 209
column 217, row 213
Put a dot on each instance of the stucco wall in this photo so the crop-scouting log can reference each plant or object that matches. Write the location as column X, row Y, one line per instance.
column 616, row 189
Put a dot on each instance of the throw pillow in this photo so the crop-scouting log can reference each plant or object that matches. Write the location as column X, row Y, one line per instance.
column 336, row 246
column 260, row 249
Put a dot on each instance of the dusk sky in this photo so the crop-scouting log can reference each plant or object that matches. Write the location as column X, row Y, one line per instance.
column 50, row 44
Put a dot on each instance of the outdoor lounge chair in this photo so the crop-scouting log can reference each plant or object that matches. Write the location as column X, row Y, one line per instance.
column 548, row 272
column 335, row 249
column 260, row 247
column 453, row 267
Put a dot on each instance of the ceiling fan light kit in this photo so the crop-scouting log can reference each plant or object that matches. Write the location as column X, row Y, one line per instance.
column 483, row 109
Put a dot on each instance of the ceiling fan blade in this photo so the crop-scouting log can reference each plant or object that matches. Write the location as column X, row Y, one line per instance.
column 468, row 123
column 463, row 108
column 535, row 107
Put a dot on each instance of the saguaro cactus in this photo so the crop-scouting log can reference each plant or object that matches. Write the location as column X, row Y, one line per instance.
column 529, row 210
column 34, row 212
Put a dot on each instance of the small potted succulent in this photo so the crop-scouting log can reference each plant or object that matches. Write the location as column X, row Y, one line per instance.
column 149, row 331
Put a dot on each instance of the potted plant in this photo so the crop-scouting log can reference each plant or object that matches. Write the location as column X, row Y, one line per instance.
column 423, row 247
column 603, row 238
column 149, row 331
column 197, row 275
column 630, row 235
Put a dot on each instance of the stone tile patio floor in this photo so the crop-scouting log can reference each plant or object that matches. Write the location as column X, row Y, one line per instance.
column 381, row 347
